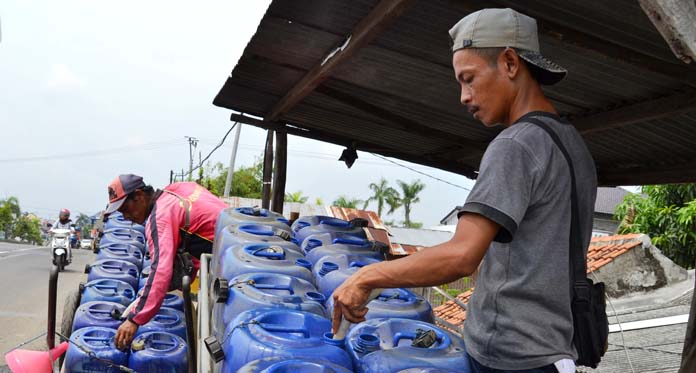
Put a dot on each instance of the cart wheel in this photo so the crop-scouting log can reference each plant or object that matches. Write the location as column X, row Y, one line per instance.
column 72, row 301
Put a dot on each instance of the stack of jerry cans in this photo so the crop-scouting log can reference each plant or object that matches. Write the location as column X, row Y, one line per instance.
column 112, row 284
column 273, row 283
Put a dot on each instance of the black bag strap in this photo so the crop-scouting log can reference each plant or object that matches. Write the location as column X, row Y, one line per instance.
column 578, row 264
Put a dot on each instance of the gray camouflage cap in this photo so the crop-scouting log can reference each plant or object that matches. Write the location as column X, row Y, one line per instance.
column 500, row 28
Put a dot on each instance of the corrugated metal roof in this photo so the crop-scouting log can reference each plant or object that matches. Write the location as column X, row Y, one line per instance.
column 396, row 96
column 608, row 199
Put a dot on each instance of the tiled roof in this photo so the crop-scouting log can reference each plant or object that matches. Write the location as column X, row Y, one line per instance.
column 452, row 313
column 601, row 251
column 372, row 218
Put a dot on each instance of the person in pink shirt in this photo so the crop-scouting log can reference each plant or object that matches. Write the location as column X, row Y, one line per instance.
column 179, row 226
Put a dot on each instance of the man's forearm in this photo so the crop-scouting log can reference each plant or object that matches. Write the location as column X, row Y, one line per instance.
column 433, row 266
column 447, row 262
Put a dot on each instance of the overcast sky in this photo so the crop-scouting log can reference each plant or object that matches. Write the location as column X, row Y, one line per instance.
column 93, row 89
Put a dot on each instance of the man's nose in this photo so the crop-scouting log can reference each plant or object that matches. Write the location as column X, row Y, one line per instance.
column 465, row 98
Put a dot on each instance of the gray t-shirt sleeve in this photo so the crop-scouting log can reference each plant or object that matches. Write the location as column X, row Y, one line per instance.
column 503, row 189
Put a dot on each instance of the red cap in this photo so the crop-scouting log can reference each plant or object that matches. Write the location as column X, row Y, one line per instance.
column 120, row 188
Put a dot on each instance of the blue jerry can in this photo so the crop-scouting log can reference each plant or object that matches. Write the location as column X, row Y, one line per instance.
column 98, row 313
column 283, row 365
column 158, row 352
column 263, row 257
column 396, row 303
column 391, row 345
column 309, row 225
column 263, row 290
column 331, row 271
column 249, row 215
column 290, row 334
column 113, row 269
column 99, row 341
column 108, row 290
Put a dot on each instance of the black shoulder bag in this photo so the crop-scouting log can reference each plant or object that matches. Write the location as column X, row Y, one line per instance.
column 588, row 304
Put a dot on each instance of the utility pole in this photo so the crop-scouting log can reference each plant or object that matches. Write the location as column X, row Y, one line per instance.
column 230, row 171
column 200, row 169
column 193, row 142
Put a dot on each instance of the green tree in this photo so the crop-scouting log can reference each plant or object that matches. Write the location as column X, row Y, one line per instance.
column 9, row 213
column 409, row 197
column 85, row 223
column 83, row 220
column 394, row 202
column 319, row 201
column 381, row 192
column 28, row 228
column 247, row 182
column 667, row 213
column 343, row 201
column 296, row 197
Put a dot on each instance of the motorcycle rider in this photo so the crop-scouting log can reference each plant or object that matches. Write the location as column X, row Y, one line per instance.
column 64, row 222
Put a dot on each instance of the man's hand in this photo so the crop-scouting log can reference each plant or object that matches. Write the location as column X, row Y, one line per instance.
column 349, row 301
column 124, row 335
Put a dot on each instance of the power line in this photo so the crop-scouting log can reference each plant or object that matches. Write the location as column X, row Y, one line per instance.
column 200, row 164
column 315, row 155
column 420, row 172
column 332, row 157
column 116, row 150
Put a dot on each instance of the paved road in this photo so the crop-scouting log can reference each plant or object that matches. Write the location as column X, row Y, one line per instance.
column 24, row 271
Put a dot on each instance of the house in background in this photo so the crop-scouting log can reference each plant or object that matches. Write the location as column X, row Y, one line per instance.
column 652, row 295
column 604, row 223
column 627, row 264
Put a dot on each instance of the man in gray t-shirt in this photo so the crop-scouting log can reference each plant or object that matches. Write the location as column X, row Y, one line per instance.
column 519, row 314
column 516, row 220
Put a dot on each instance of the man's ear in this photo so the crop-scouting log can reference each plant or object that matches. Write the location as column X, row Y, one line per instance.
column 509, row 62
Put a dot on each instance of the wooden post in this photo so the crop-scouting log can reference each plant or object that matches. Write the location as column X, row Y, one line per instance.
column 267, row 171
column 279, row 171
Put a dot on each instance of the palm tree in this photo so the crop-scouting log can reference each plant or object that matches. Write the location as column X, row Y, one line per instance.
column 343, row 201
column 296, row 197
column 393, row 201
column 83, row 220
column 381, row 192
column 410, row 197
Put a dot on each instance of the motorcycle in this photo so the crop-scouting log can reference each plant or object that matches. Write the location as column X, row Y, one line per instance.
column 73, row 240
column 60, row 247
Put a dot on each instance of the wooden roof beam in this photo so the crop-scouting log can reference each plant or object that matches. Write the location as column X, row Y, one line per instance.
column 443, row 164
column 637, row 113
column 363, row 33
column 398, row 121
column 683, row 173
column 675, row 20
